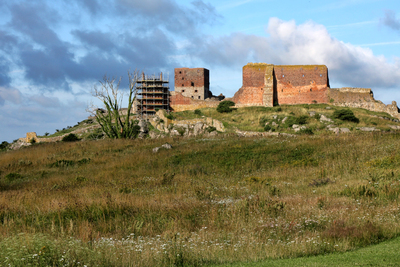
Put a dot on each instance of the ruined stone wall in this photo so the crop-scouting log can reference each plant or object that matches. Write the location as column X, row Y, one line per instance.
column 179, row 102
column 301, row 84
column 193, row 82
column 257, row 89
column 360, row 98
column 267, row 84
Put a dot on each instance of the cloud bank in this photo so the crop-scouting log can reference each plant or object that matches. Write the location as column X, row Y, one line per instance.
column 309, row 43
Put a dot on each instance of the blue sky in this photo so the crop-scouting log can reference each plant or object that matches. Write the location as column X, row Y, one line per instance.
column 52, row 53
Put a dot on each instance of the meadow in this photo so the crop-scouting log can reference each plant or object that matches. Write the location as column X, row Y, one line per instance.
column 207, row 201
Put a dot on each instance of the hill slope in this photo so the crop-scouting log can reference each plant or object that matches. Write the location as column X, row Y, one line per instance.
column 207, row 200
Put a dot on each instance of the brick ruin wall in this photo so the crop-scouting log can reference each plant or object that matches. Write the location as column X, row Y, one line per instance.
column 179, row 102
column 269, row 85
column 193, row 82
column 257, row 89
column 266, row 85
column 360, row 98
column 301, row 84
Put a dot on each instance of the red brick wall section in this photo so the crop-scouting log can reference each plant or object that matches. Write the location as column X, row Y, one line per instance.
column 301, row 84
column 185, row 76
column 252, row 91
column 179, row 99
column 193, row 82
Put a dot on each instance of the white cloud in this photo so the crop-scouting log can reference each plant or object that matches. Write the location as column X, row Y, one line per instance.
column 307, row 43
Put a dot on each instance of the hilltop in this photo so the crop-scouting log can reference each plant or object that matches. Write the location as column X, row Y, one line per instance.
column 318, row 119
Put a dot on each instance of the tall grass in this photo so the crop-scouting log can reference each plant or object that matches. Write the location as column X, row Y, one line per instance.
column 227, row 199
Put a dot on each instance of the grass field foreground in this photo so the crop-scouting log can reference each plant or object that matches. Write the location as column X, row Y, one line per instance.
column 206, row 201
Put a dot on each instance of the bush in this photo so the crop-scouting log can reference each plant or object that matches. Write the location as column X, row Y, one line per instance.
column 170, row 117
column 267, row 128
column 224, row 106
column 70, row 138
column 263, row 121
column 4, row 145
column 198, row 112
column 12, row 177
column 306, row 131
column 345, row 115
column 296, row 120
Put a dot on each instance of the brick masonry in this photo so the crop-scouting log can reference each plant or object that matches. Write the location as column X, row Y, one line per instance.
column 193, row 82
column 268, row 85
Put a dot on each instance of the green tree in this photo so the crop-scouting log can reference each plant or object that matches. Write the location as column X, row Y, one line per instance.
column 112, row 122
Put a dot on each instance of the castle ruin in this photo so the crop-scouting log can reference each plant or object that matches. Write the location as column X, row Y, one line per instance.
column 193, row 83
column 269, row 85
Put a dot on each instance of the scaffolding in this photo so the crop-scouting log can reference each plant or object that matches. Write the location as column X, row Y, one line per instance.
column 153, row 94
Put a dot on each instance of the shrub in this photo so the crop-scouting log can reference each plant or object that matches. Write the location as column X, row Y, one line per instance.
column 224, row 106
column 170, row 117
column 263, row 121
column 345, row 115
column 198, row 112
column 13, row 176
column 4, row 145
column 70, row 138
column 301, row 120
column 306, row 131
column 267, row 128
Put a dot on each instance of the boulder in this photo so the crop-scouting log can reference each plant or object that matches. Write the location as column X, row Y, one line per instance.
column 284, row 119
column 218, row 125
column 153, row 135
column 312, row 113
column 198, row 128
column 395, row 127
column 368, row 129
column 323, row 118
column 300, row 128
column 166, row 146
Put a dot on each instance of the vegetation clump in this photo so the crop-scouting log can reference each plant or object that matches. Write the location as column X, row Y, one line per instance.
column 70, row 138
column 224, row 106
column 170, row 117
column 345, row 115
column 4, row 145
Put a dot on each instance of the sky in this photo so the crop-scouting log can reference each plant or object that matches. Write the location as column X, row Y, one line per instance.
column 53, row 53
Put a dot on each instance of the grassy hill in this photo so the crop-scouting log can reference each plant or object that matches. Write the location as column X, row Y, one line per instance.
column 207, row 200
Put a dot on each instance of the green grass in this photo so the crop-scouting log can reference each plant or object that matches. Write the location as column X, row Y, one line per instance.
column 206, row 201
column 249, row 118
column 383, row 254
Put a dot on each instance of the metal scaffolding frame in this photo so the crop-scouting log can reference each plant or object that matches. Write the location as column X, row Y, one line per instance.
column 153, row 93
